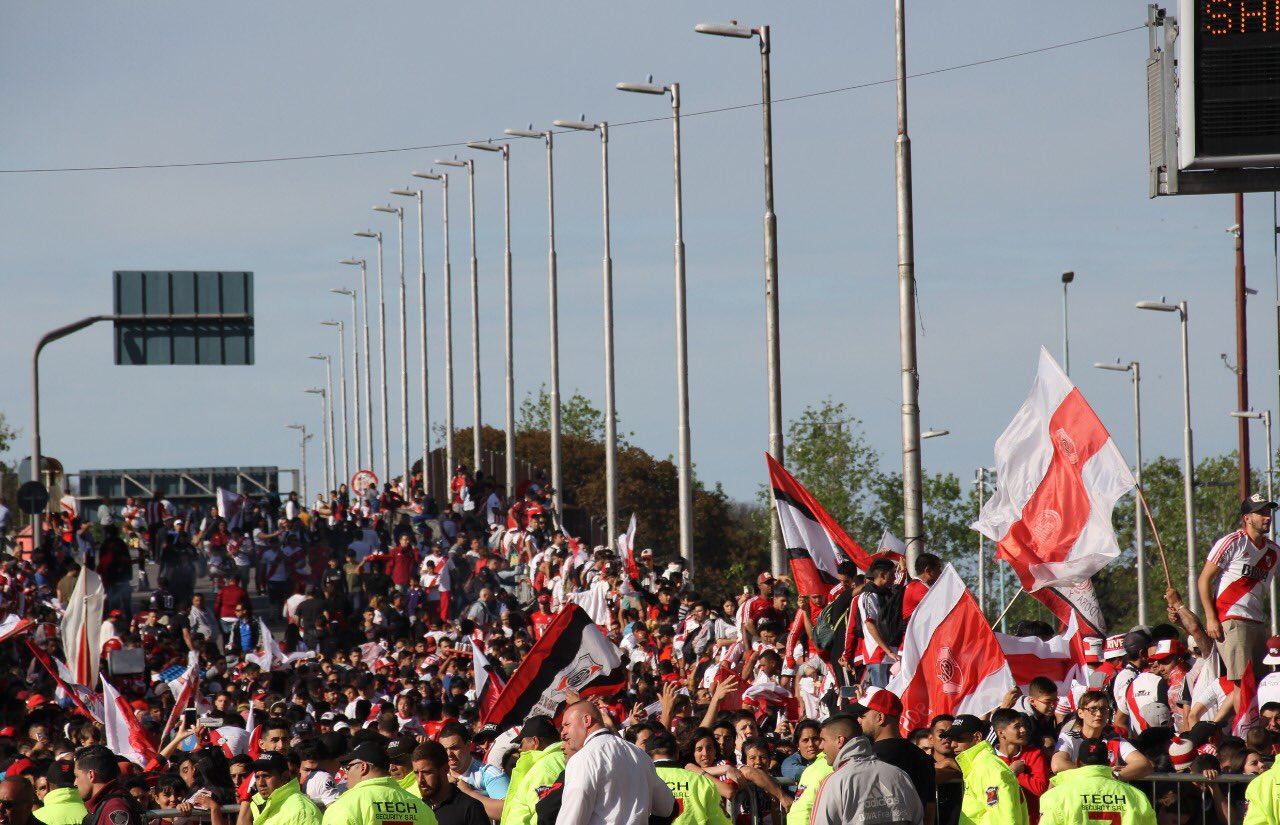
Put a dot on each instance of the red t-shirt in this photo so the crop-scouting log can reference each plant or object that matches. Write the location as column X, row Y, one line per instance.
column 911, row 597
column 1034, row 782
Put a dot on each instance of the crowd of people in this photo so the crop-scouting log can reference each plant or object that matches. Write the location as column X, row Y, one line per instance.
column 767, row 706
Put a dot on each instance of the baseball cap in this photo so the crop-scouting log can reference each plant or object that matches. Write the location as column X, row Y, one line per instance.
column 1273, row 651
column 370, row 752
column 1093, row 752
column 1256, row 503
column 847, row 568
column 541, row 727
column 1093, row 646
column 1165, row 649
column 764, row 577
column 1156, row 714
column 400, row 747
column 61, row 772
column 1136, row 642
column 272, row 762
column 1113, row 647
column 964, row 726
column 880, row 700
column 646, row 553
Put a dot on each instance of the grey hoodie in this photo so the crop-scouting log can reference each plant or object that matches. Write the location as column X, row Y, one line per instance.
column 866, row 791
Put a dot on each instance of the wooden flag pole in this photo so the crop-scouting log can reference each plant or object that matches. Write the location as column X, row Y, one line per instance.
column 1016, row 594
column 1163, row 561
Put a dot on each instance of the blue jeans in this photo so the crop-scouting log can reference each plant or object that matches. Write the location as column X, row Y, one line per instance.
column 878, row 675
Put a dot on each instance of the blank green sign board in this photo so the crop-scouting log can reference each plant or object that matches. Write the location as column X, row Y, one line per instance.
column 191, row 318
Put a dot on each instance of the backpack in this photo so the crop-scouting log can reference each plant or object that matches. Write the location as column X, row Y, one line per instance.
column 891, row 625
column 829, row 621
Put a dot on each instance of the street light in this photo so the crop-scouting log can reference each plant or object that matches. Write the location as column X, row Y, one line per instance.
column 368, row 368
column 610, row 406
column 1067, row 277
column 1188, row 465
column 382, row 355
column 404, row 352
column 1265, row 417
column 980, row 481
column 1139, row 526
column 332, row 458
column 324, row 413
column 470, row 166
column 685, row 472
column 355, row 366
column 448, row 326
column 773, row 347
column 509, row 344
column 422, row 320
column 934, row 433
column 303, row 428
column 342, row 376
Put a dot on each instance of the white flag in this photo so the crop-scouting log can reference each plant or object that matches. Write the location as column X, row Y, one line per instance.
column 82, row 628
column 125, row 735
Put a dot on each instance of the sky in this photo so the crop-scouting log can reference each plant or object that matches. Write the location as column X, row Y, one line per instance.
column 1023, row 168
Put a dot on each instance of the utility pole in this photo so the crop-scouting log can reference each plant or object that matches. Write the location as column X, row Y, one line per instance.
column 1242, row 349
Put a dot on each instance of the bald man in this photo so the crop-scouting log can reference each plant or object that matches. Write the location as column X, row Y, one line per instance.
column 17, row 798
column 607, row 780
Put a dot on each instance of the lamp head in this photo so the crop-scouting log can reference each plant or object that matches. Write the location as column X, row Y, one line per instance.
column 455, row 162
column 390, row 210
column 649, row 88
column 731, row 29
column 355, row 261
column 485, row 147
column 1068, row 277
column 1157, row 306
column 331, row 323
column 581, row 125
column 406, row 193
column 427, row 175
column 367, row 233
column 343, row 291
column 524, row 133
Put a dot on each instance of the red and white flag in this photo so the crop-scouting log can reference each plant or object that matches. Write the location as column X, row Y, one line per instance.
column 627, row 549
column 951, row 661
column 184, row 688
column 1058, row 658
column 815, row 543
column 231, row 508
column 82, row 628
column 125, row 735
column 1060, row 474
column 14, row 626
column 489, row 684
column 87, row 700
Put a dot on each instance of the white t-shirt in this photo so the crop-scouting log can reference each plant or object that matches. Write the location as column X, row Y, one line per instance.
column 1069, row 743
column 1246, row 572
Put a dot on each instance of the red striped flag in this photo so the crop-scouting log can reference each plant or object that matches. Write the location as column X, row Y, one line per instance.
column 951, row 661
column 489, row 685
column 125, row 735
column 1058, row 658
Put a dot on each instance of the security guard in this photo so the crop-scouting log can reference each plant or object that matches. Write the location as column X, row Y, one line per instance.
column 1082, row 796
column 1263, row 794
column 62, row 805
column 285, row 802
column 541, row 761
column 992, row 795
column 697, row 800
column 372, row 796
column 98, row 781
column 807, row 790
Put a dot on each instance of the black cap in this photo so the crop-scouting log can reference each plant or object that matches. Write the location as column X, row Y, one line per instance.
column 61, row 773
column 1093, row 752
column 963, row 727
column 371, row 752
column 847, row 568
column 272, row 762
column 1256, row 503
column 334, row 744
column 400, row 747
column 541, row 727
column 1136, row 643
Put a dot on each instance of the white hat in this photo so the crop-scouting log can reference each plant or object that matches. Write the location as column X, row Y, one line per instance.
column 1156, row 714
column 1114, row 647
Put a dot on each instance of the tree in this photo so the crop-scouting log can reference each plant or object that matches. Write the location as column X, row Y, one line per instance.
column 8, row 475
column 578, row 417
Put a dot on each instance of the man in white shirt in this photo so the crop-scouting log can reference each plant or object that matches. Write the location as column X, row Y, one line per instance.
column 607, row 781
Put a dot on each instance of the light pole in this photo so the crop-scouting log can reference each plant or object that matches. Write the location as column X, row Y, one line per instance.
column 1188, row 462
column 398, row 211
column 685, row 470
column 470, row 166
column 1265, row 417
column 510, row 357
column 368, row 368
column 342, row 379
column 553, row 310
column 324, row 413
column 303, row 428
column 448, row 327
column 355, row 390
column 382, row 357
column 422, row 321
column 610, row 406
column 1139, row 526
column 1067, row 277
column 980, row 481
column 331, row 457
column 773, row 347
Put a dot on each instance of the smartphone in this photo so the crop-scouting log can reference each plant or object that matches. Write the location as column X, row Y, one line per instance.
column 189, row 717
column 746, row 591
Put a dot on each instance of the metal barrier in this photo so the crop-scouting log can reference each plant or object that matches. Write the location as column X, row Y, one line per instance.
column 196, row 813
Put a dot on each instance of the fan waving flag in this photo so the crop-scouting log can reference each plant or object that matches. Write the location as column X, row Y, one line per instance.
column 816, row 544
column 627, row 550
column 231, row 508
column 951, row 661
column 82, row 627
column 184, row 685
column 1060, row 474
column 125, row 735
column 489, row 684
column 571, row 655
column 1057, row 658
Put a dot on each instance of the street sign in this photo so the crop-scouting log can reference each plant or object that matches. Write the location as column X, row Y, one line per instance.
column 32, row 498
column 183, row 318
column 362, row 479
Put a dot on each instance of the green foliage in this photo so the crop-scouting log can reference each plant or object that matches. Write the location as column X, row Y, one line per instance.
column 578, row 417
column 8, row 472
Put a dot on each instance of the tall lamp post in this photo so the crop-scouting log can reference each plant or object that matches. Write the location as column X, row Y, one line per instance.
column 355, row 367
column 332, row 458
column 368, row 368
column 509, row 355
column 470, row 166
column 1139, row 526
column 685, row 472
column 398, row 211
column 1188, row 462
column 324, row 414
column 1067, row 278
column 342, row 380
column 422, row 324
column 980, row 481
column 448, row 324
column 382, row 356
column 610, row 405
column 772, row 344
column 1265, row 417
column 303, row 429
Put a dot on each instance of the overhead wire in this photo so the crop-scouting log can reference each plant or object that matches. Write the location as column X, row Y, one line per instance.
column 621, row 124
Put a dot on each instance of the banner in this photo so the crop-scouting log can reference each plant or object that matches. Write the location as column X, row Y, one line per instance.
column 815, row 543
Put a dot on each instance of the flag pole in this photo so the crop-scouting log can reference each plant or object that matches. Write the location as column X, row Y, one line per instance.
column 1016, row 594
column 1163, row 561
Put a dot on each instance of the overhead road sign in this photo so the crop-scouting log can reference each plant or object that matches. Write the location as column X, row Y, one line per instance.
column 183, row 318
